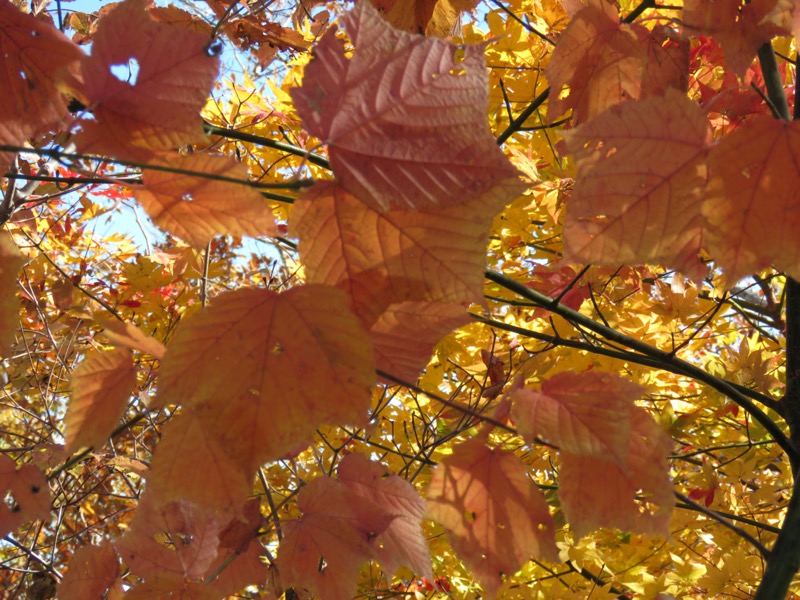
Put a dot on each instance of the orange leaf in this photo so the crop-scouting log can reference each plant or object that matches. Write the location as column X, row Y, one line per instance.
column 101, row 387
column 405, row 334
column 746, row 233
column 156, row 111
column 439, row 18
column 496, row 516
column 582, row 413
column 596, row 492
column 641, row 179
column 10, row 264
column 337, row 530
column 196, row 209
column 599, row 60
column 385, row 258
column 410, row 90
column 276, row 365
column 130, row 336
column 36, row 58
column 92, row 570
column 26, row 494
column 403, row 542
column 740, row 28
column 190, row 464
column 175, row 538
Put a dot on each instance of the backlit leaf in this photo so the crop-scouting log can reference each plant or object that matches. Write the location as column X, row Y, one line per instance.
column 281, row 364
column 92, row 570
column 130, row 336
column 26, row 494
column 10, row 263
column 597, row 492
column 496, row 517
column 154, row 105
column 36, row 59
column 101, row 388
column 581, row 413
column 195, row 209
column 414, row 91
column 598, row 60
column 641, row 180
column 385, row 258
column 757, row 161
column 323, row 550
column 403, row 542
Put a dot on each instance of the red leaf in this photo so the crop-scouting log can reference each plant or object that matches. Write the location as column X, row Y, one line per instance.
column 10, row 263
column 338, row 530
column 496, row 516
column 101, row 388
column 403, row 542
column 410, row 90
column 92, row 570
column 36, row 59
column 758, row 160
column 195, row 209
column 641, row 178
column 160, row 111
column 27, row 489
column 597, row 492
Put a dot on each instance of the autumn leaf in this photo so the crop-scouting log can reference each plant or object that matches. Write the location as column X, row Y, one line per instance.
column 154, row 106
column 599, row 60
column 195, row 209
column 92, row 570
column 101, row 388
column 414, row 91
column 440, row 18
column 396, row 256
column 641, row 180
column 130, row 336
column 745, row 232
column 26, row 494
column 323, row 549
column 270, row 361
column 177, row 537
column 37, row 58
column 496, row 517
column 405, row 334
column 740, row 28
column 403, row 542
column 582, row 413
column 191, row 464
column 597, row 492
column 10, row 263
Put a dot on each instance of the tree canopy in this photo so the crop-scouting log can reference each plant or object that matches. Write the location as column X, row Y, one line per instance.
column 400, row 297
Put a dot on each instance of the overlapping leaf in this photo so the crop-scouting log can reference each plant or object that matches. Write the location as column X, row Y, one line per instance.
column 582, row 413
column 387, row 258
column 751, row 202
column 195, row 209
column 599, row 60
column 101, row 388
column 740, row 28
column 26, row 494
column 496, row 517
column 36, row 59
column 92, row 570
column 597, row 492
column 414, row 91
column 641, row 180
column 10, row 263
column 323, row 550
column 130, row 336
column 160, row 111
column 279, row 365
column 403, row 542
column 405, row 334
